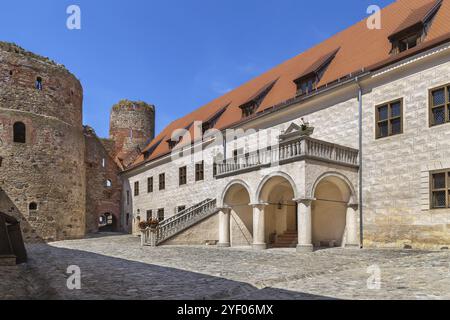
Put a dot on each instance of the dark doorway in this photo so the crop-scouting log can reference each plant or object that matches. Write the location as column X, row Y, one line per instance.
column 107, row 223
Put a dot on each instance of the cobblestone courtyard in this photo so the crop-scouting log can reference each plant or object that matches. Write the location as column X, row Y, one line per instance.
column 116, row 267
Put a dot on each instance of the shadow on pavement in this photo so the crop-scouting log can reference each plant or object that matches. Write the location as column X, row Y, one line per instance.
column 105, row 277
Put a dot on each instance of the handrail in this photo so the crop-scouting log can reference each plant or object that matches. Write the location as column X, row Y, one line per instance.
column 290, row 150
column 181, row 213
column 180, row 222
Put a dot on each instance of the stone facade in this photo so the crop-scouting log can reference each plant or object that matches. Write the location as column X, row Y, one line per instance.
column 396, row 170
column 62, row 178
column 396, row 179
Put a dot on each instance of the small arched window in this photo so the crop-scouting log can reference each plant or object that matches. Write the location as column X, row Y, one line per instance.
column 108, row 183
column 19, row 132
column 33, row 206
column 38, row 83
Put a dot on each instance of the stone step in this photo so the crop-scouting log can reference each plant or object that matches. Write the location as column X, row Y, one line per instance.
column 7, row 261
column 276, row 245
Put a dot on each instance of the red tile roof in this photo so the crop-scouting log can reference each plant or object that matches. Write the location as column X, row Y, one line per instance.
column 359, row 48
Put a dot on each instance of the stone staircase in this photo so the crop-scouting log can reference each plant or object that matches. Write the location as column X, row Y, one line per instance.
column 181, row 222
column 288, row 240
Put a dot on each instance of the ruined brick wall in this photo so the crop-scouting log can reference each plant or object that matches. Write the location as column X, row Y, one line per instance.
column 49, row 168
column 132, row 126
column 101, row 198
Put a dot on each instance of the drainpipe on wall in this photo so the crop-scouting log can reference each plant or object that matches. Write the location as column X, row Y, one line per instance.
column 360, row 125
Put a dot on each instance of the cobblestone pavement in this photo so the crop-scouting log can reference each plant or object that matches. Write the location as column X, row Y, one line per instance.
column 116, row 267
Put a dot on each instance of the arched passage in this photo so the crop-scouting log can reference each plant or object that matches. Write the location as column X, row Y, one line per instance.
column 237, row 199
column 276, row 193
column 107, row 223
column 332, row 196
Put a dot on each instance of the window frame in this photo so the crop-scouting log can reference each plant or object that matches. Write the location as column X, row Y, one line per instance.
column 136, row 189
column 160, row 212
column 200, row 171
column 162, row 182
column 446, row 105
column 389, row 118
column 446, row 189
column 182, row 176
column 150, row 185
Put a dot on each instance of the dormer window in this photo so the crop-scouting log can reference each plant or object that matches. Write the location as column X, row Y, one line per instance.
column 248, row 109
column 409, row 42
column 211, row 122
column 414, row 29
column 172, row 144
column 307, row 82
column 306, row 86
column 251, row 106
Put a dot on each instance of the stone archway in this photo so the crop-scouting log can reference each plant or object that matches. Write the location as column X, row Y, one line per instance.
column 276, row 194
column 333, row 212
column 107, row 223
column 236, row 218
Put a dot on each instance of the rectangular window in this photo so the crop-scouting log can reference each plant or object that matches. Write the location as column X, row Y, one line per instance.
column 136, row 188
column 181, row 208
column 214, row 169
column 161, row 215
column 199, row 171
column 389, row 119
column 128, row 197
column 183, row 176
column 440, row 185
column 150, row 185
column 149, row 214
column 162, row 181
column 440, row 105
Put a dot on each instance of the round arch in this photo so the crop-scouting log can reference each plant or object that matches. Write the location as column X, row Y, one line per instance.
column 277, row 192
column 332, row 193
column 341, row 181
column 230, row 185
column 237, row 197
column 274, row 175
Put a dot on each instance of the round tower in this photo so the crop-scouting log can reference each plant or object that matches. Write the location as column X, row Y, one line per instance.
column 132, row 126
column 42, row 173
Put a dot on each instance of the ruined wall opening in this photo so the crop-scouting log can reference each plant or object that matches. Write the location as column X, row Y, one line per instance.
column 38, row 83
column 19, row 132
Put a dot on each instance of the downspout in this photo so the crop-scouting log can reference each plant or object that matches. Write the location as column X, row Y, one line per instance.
column 360, row 138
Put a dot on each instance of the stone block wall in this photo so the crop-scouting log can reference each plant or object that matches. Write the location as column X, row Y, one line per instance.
column 396, row 169
column 101, row 169
column 48, row 170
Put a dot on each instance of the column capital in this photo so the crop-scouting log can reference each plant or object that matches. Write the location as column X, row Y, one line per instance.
column 305, row 201
column 258, row 205
column 353, row 206
column 225, row 209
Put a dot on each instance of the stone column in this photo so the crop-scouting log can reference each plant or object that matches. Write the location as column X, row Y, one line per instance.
column 352, row 240
column 304, row 217
column 224, row 227
column 259, row 227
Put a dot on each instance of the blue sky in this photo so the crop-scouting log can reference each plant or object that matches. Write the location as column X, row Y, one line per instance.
column 176, row 54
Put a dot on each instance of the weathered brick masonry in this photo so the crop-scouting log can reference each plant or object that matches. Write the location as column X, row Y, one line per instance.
column 63, row 177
